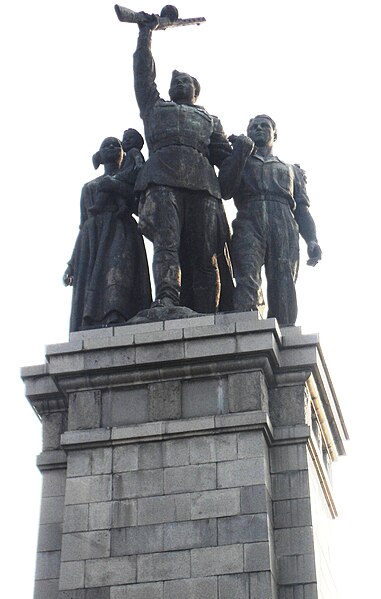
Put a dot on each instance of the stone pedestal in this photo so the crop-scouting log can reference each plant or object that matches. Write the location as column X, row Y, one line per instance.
column 186, row 458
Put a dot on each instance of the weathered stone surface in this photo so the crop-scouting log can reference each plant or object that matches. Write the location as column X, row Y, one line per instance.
column 85, row 545
column 255, row 499
column 48, row 565
column 46, row 589
column 170, row 508
column 110, row 571
column 88, row 489
column 202, row 397
column 215, row 504
column 149, row 590
column 186, row 535
column 100, row 515
column 257, row 557
column 234, row 585
column 189, row 478
column 134, row 540
column 247, row 391
column 138, row 484
column 198, row 503
column 125, row 513
column 217, row 448
column 191, row 588
column 85, row 410
column 163, row 566
column 125, row 406
column 292, row 512
column 76, row 518
column 72, row 575
column 240, row 473
column 243, row 529
column 49, row 537
column 217, row 560
column 288, row 405
column 164, row 400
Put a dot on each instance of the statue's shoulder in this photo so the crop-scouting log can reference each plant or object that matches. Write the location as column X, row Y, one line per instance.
column 300, row 172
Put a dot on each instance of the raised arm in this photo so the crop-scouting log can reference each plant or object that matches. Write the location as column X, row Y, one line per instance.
column 145, row 71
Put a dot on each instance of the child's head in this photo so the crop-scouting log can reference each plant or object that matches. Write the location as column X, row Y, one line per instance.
column 132, row 139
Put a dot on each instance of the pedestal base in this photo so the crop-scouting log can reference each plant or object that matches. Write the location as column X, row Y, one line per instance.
column 186, row 458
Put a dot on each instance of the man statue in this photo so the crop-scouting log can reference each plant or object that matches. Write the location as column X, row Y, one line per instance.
column 180, row 207
column 272, row 210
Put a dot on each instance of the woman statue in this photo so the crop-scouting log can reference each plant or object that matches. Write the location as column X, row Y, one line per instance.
column 108, row 268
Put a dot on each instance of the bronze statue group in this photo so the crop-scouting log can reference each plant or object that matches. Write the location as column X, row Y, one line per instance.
column 177, row 197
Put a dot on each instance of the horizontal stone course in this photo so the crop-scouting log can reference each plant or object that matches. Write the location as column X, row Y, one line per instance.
column 148, row 590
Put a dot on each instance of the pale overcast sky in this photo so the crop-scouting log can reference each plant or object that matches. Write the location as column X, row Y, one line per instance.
column 67, row 84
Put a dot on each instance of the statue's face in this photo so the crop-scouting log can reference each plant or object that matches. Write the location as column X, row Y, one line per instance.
column 129, row 140
column 111, row 151
column 261, row 131
column 182, row 89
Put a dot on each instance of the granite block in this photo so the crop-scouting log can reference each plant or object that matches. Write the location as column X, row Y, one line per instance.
column 134, row 540
column 163, row 566
column 183, row 479
column 149, row 590
column 203, row 397
column 169, row 508
column 239, row 473
column 213, row 561
column 191, row 588
column 164, row 400
column 257, row 557
column 46, row 589
column 176, row 452
column 100, row 515
column 110, row 571
column 88, row 489
column 125, row 513
column 85, row 545
column 243, row 529
column 215, row 504
column 72, row 575
column 52, row 509
column 76, row 518
column 143, row 483
column 234, row 586
column 50, row 537
column 247, row 391
column 187, row 535
column 48, row 565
